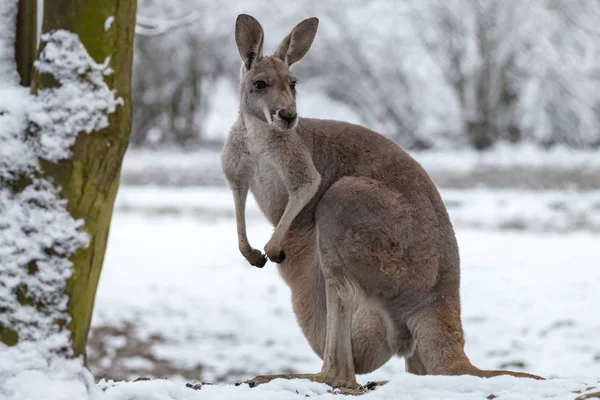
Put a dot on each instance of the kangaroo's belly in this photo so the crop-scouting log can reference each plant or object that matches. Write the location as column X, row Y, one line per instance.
column 268, row 190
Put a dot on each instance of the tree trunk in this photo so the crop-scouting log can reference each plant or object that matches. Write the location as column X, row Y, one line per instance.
column 26, row 40
column 89, row 180
column 479, row 135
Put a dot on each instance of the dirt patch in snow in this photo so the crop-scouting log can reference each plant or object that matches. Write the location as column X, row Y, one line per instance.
column 118, row 352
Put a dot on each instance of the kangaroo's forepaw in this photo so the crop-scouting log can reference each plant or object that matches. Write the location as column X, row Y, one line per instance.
column 255, row 257
column 278, row 258
column 274, row 252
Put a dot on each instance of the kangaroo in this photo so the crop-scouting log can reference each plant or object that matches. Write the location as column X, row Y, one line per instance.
column 361, row 235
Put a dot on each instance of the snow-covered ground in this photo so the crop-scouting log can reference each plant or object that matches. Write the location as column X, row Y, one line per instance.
column 175, row 288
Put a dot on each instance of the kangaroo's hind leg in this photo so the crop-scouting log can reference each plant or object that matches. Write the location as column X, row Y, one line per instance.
column 414, row 364
column 338, row 363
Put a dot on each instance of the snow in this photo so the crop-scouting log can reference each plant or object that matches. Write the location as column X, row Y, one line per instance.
column 37, row 234
column 78, row 105
column 37, row 221
column 108, row 23
column 16, row 155
column 404, row 386
column 51, row 379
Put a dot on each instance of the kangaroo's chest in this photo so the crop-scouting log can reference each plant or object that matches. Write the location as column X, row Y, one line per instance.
column 268, row 189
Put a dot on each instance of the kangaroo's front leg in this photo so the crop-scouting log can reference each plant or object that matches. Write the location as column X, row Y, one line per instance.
column 301, row 179
column 297, row 200
column 238, row 173
column 254, row 256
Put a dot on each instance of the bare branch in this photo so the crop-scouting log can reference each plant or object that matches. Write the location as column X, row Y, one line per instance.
column 154, row 27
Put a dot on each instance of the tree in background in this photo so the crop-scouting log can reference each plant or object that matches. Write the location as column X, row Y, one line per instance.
column 177, row 62
column 62, row 148
column 560, row 98
column 360, row 64
column 474, row 44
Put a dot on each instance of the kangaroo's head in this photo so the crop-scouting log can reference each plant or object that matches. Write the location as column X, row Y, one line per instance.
column 268, row 87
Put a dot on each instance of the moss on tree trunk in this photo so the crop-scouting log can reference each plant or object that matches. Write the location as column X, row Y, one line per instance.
column 90, row 178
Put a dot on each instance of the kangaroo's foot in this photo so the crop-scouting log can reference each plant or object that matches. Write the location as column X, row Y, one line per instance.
column 345, row 387
column 260, row 379
column 440, row 346
column 489, row 374
column 463, row 366
column 466, row 368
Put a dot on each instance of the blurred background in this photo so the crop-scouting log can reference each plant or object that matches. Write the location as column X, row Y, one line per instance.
column 451, row 78
column 498, row 99
column 427, row 73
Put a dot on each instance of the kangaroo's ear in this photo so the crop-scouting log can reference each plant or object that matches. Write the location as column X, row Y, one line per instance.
column 296, row 44
column 249, row 37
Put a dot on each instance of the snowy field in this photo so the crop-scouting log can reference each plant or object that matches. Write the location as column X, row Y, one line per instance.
column 177, row 301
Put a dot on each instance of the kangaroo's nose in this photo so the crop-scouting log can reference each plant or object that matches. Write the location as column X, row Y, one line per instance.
column 287, row 115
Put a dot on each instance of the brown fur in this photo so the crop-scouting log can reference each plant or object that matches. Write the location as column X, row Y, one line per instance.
column 361, row 236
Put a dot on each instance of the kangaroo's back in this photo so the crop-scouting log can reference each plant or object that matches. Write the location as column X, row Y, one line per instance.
column 342, row 149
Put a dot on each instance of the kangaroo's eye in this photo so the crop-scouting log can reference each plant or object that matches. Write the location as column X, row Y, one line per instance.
column 293, row 85
column 260, row 84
